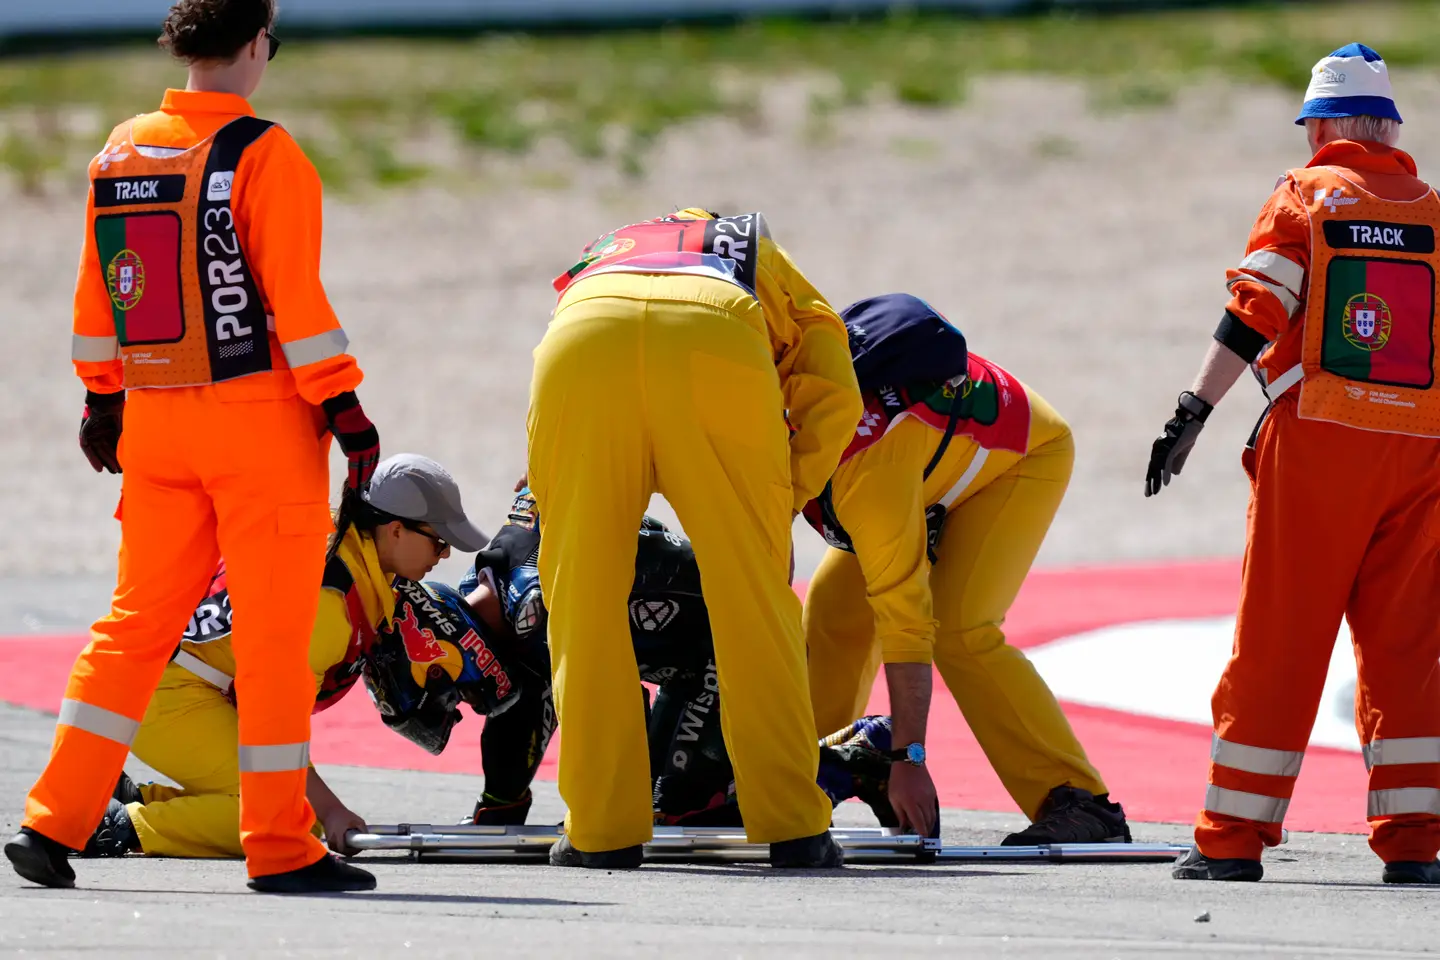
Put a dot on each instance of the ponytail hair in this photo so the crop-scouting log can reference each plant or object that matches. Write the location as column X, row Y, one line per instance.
column 345, row 518
column 354, row 511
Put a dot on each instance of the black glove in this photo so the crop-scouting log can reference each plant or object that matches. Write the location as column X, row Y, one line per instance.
column 100, row 427
column 1169, row 452
column 356, row 435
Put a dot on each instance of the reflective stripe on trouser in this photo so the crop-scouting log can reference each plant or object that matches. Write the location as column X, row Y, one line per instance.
column 697, row 414
column 260, row 496
column 991, row 537
column 1376, row 562
column 1401, row 750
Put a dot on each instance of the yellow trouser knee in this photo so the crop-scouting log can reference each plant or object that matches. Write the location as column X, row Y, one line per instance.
column 667, row 383
column 191, row 735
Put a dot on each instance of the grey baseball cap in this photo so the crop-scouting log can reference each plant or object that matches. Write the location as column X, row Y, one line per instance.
column 413, row 487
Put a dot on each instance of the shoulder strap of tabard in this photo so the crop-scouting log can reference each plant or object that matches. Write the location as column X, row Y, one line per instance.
column 945, row 439
column 238, row 334
column 338, row 576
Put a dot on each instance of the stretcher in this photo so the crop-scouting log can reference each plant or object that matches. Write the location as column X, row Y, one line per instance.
column 862, row 845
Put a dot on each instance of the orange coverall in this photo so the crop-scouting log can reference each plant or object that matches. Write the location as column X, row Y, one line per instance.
column 1343, row 521
column 239, row 467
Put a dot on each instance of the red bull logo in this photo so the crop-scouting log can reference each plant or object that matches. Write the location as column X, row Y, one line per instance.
column 486, row 663
column 423, row 647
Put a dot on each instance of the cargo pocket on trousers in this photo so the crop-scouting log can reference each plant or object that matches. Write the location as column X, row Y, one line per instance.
column 301, row 532
column 298, row 519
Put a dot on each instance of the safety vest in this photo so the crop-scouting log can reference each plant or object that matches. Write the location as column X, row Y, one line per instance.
column 994, row 412
column 726, row 248
column 1368, row 348
column 186, row 306
column 342, row 676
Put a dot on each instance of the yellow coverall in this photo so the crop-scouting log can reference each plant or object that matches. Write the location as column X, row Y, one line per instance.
column 951, row 613
column 680, row 383
column 190, row 730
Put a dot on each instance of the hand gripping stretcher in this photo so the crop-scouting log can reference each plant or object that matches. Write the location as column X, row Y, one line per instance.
column 862, row 845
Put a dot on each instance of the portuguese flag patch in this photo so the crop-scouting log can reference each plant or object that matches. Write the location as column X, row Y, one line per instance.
column 1379, row 321
column 140, row 260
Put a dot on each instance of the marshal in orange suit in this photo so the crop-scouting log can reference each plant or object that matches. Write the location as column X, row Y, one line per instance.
column 199, row 298
column 1334, row 301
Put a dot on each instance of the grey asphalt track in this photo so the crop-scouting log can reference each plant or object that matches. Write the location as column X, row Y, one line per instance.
column 1321, row 898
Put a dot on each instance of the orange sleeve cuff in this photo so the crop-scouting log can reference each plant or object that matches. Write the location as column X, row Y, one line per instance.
column 107, row 377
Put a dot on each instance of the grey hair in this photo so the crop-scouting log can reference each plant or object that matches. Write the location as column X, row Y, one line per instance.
column 1375, row 129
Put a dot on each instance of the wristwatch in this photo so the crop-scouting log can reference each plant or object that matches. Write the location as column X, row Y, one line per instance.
column 913, row 754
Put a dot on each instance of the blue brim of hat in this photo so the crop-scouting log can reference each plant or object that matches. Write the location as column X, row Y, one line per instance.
column 1335, row 107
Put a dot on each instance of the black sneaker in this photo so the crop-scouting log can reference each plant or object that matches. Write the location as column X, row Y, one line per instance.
column 1194, row 865
column 115, row 836
column 329, row 874
column 820, row 852
column 566, row 854
column 126, row 791
column 1072, row 815
column 39, row 859
column 1411, row 871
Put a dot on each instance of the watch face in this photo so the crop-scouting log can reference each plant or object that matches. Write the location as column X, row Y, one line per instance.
column 915, row 753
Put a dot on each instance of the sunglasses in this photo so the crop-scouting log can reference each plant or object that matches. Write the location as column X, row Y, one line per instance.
column 274, row 45
column 439, row 542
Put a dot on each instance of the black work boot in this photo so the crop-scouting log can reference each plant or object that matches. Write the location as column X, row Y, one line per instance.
column 126, row 791
column 329, row 874
column 1072, row 815
column 115, row 836
column 820, row 852
column 1411, row 871
column 566, row 854
column 39, row 859
column 1194, row 865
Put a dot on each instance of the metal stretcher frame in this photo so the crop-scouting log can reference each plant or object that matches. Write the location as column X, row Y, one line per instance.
column 862, row 845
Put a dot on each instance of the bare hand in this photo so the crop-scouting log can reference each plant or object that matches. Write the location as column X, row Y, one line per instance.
column 912, row 797
column 523, row 482
column 339, row 823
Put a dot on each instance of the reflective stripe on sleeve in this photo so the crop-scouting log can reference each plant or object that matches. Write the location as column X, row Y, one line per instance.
column 279, row 758
column 1287, row 299
column 1247, row 806
column 94, row 349
column 1389, row 803
column 1398, row 750
column 1282, row 270
column 1238, row 756
column 322, row 346
column 99, row 721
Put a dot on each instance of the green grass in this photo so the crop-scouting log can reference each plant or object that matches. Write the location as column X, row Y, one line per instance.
column 369, row 109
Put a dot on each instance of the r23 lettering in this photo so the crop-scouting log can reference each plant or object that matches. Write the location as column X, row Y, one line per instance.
column 211, row 620
column 229, row 298
column 732, row 237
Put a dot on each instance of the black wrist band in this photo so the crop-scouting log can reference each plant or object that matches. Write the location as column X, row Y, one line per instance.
column 104, row 401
